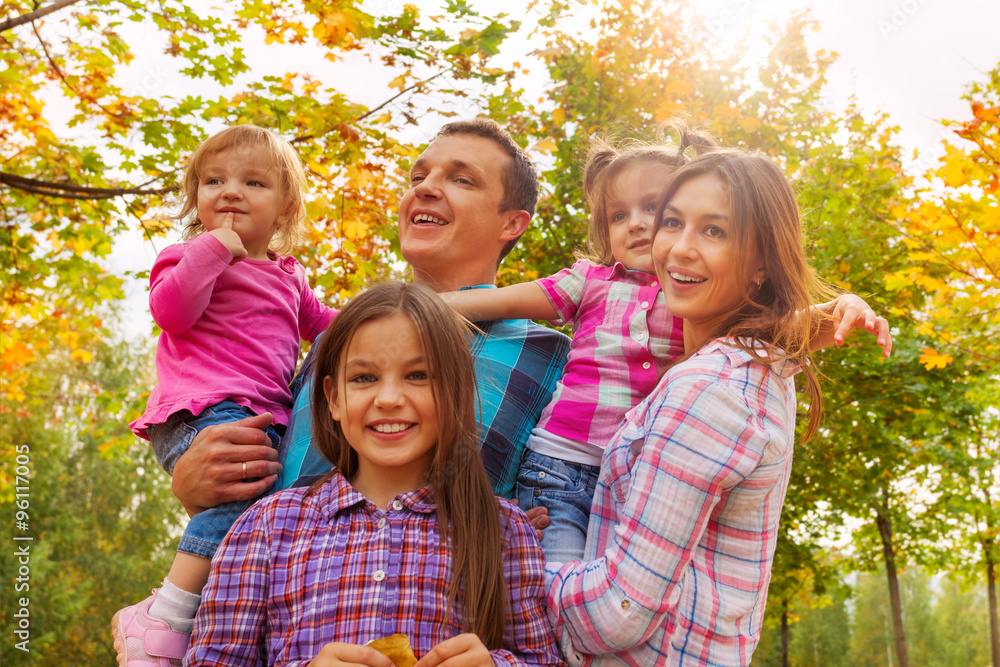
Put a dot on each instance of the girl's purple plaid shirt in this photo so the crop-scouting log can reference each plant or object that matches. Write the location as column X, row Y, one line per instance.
column 298, row 572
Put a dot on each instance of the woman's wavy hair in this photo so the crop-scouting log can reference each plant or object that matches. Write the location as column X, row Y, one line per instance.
column 267, row 147
column 608, row 159
column 774, row 321
column 468, row 512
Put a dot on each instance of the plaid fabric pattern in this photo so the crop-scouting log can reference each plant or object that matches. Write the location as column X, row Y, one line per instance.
column 518, row 364
column 623, row 339
column 298, row 572
column 685, row 520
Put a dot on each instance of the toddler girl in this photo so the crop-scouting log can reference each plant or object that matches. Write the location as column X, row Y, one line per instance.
column 404, row 536
column 232, row 311
column 624, row 336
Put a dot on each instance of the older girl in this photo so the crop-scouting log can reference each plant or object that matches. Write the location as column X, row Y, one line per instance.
column 405, row 536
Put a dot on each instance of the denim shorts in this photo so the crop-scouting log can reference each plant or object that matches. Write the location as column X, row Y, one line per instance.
column 170, row 440
column 567, row 490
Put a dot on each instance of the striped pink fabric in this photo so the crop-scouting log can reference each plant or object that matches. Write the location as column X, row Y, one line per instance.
column 623, row 339
column 685, row 519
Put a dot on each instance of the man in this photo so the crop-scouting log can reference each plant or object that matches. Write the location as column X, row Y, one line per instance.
column 471, row 197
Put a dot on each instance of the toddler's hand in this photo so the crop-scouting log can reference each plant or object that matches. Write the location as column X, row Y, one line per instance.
column 230, row 238
column 851, row 312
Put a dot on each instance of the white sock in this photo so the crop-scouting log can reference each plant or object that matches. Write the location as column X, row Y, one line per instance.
column 175, row 606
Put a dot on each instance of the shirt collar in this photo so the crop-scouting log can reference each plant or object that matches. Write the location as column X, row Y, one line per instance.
column 338, row 495
column 641, row 277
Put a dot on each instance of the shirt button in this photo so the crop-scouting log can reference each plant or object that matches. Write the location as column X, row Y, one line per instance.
column 381, row 522
column 396, row 505
column 645, row 365
column 541, row 475
column 538, row 492
column 655, row 284
column 380, row 575
column 626, row 604
column 640, row 337
column 645, row 304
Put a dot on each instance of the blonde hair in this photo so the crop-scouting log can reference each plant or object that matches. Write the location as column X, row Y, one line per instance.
column 607, row 160
column 280, row 156
column 774, row 321
column 465, row 500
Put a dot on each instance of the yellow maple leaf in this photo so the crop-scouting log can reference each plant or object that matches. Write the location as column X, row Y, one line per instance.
column 355, row 229
column 547, row 145
column 399, row 83
column 931, row 359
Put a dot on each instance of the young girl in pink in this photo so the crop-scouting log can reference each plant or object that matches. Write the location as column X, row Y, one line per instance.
column 232, row 311
column 404, row 536
column 624, row 336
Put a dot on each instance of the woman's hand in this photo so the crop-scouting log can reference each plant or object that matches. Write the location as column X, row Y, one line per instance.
column 465, row 650
column 338, row 654
column 849, row 312
column 211, row 471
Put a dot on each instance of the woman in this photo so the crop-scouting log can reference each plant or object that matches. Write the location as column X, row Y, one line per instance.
column 685, row 518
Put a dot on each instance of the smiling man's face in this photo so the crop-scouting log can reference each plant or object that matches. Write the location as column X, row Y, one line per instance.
column 450, row 228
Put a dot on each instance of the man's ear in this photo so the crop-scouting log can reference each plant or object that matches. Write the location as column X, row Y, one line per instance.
column 515, row 224
column 330, row 389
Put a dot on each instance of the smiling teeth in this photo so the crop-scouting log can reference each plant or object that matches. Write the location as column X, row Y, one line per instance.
column 423, row 217
column 391, row 428
column 686, row 279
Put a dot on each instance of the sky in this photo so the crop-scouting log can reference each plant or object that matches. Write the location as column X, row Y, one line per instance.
column 911, row 58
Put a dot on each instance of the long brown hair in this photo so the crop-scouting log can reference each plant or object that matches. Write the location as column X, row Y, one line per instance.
column 279, row 156
column 608, row 159
column 774, row 320
column 468, row 512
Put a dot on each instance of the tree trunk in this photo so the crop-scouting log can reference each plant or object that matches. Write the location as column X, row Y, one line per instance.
column 991, row 594
column 784, row 635
column 899, row 635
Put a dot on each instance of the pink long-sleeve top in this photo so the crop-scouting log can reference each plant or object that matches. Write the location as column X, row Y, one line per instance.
column 229, row 331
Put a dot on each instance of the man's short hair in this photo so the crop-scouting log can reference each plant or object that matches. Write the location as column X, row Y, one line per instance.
column 520, row 180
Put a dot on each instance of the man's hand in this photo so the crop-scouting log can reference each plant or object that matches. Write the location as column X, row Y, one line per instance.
column 338, row 654
column 539, row 518
column 465, row 650
column 211, row 471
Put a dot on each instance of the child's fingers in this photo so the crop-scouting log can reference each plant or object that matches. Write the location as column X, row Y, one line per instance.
column 227, row 222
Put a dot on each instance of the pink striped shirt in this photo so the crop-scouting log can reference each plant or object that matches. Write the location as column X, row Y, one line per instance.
column 685, row 520
column 623, row 339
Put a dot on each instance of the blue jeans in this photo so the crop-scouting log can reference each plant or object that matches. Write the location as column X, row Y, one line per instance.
column 567, row 490
column 170, row 440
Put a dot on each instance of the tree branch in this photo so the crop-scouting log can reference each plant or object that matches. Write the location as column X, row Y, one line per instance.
column 307, row 137
column 70, row 191
column 37, row 14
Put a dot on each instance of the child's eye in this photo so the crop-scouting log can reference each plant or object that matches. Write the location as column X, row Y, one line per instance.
column 256, row 184
column 362, row 378
column 212, row 181
column 419, row 375
column 651, row 208
column 617, row 216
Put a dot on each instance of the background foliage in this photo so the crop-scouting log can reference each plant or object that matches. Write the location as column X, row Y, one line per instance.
column 898, row 489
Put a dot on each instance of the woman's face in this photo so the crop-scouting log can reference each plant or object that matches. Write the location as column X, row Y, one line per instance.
column 694, row 255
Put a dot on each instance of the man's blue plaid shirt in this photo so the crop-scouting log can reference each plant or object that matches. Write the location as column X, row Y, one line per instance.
column 518, row 364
